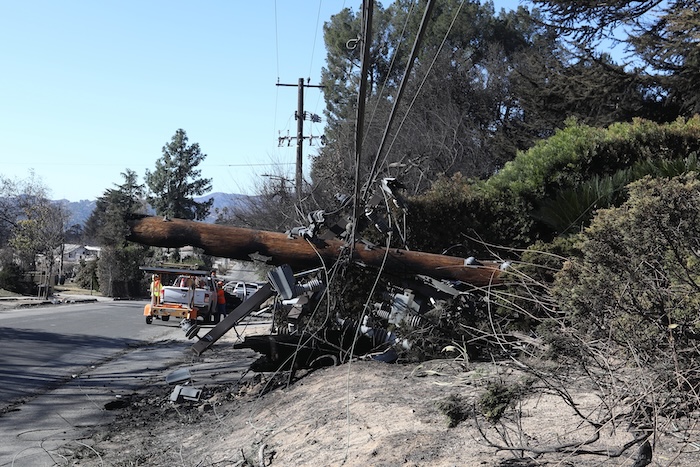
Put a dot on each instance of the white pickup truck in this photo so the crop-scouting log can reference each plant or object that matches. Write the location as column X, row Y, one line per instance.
column 203, row 296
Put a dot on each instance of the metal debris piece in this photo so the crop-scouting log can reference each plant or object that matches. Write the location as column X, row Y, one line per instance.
column 187, row 393
column 177, row 376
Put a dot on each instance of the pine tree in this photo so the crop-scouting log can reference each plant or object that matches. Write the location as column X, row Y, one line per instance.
column 175, row 181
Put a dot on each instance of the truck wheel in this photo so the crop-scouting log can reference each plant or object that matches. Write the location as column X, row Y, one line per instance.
column 165, row 317
column 149, row 319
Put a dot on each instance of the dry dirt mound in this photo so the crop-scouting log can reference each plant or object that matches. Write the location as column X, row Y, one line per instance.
column 371, row 413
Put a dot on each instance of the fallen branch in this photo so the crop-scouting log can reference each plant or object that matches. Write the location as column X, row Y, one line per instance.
column 573, row 448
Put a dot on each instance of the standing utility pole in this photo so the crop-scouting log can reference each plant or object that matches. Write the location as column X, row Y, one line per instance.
column 300, row 115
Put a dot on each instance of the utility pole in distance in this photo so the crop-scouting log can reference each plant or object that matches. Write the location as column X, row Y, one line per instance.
column 300, row 131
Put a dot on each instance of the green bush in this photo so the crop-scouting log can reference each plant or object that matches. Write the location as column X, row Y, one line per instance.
column 496, row 400
column 455, row 409
column 452, row 202
column 11, row 279
column 556, row 187
column 524, row 300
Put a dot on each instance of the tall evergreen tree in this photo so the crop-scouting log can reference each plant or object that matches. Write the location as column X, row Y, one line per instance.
column 107, row 223
column 662, row 38
column 457, row 100
column 176, row 181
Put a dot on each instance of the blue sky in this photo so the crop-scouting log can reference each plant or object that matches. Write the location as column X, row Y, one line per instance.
column 91, row 88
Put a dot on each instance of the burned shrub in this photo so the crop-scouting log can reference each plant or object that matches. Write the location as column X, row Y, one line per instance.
column 637, row 282
column 455, row 409
column 498, row 397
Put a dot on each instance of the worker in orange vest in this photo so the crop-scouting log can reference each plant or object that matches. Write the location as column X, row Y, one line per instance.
column 156, row 288
column 221, row 300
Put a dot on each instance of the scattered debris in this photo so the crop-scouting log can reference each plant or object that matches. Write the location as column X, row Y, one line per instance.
column 179, row 376
column 120, row 403
column 187, row 393
column 418, row 291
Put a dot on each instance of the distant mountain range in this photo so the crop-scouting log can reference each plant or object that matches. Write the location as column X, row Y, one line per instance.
column 81, row 210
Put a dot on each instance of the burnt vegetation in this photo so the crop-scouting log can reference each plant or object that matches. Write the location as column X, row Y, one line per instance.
column 577, row 173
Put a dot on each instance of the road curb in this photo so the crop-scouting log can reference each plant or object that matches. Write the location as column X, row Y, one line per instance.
column 13, row 303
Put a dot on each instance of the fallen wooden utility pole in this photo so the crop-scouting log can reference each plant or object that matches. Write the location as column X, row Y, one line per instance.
column 299, row 253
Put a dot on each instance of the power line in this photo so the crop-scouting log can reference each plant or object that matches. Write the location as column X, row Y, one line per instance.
column 313, row 48
column 277, row 46
column 402, row 87
column 249, row 165
column 420, row 87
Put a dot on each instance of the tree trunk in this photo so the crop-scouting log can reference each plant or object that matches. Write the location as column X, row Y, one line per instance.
column 299, row 253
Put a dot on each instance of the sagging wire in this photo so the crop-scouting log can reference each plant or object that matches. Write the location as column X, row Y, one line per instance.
column 292, row 358
column 372, row 174
column 402, row 87
column 329, row 278
column 300, row 344
column 370, row 295
column 357, row 329
column 313, row 334
column 391, row 67
column 313, row 50
column 277, row 62
column 313, row 47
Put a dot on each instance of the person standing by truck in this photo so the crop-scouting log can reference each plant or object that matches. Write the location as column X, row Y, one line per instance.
column 220, row 300
column 156, row 287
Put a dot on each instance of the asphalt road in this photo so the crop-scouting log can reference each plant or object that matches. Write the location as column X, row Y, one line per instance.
column 60, row 364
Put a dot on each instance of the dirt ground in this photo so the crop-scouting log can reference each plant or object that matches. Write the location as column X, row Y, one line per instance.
column 369, row 413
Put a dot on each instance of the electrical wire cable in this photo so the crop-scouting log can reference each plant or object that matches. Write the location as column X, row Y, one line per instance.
column 422, row 84
column 313, row 47
column 391, row 67
column 399, row 94
column 372, row 176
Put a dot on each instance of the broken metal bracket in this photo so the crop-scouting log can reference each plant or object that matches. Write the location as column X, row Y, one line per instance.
column 283, row 281
column 240, row 312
